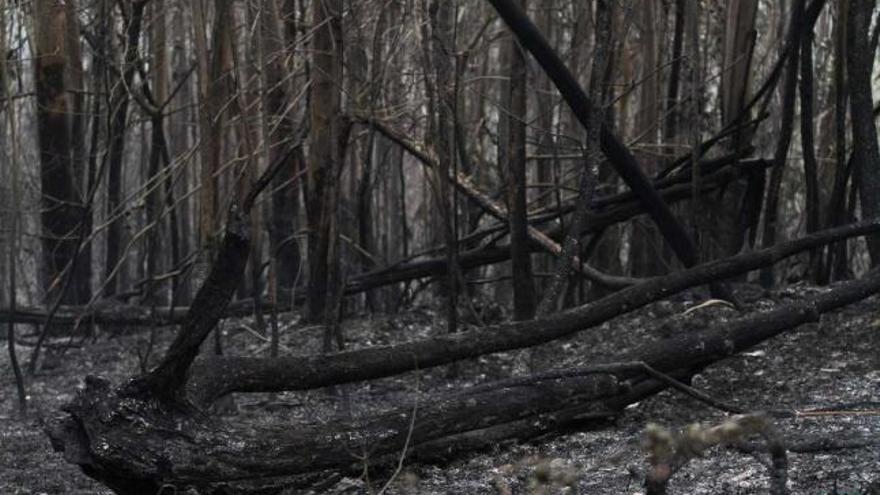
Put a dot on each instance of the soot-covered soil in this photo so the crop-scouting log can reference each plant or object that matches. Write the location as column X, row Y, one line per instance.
column 834, row 363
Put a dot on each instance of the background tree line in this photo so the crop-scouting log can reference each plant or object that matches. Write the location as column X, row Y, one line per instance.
column 421, row 142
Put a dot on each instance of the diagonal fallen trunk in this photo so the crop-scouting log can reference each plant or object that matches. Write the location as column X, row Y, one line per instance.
column 216, row 376
column 136, row 446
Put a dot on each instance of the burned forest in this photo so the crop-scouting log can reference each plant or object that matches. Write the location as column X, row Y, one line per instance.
column 439, row 246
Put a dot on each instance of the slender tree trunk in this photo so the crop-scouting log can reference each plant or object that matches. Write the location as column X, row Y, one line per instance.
column 670, row 124
column 325, row 155
column 157, row 145
column 836, row 260
column 646, row 248
column 179, row 142
column 14, row 207
column 738, row 209
column 866, row 153
column 811, row 167
column 592, row 157
column 215, row 75
column 114, row 263
column 771, row 205
column 520, row 257
column 442, row 51
column 283, row 246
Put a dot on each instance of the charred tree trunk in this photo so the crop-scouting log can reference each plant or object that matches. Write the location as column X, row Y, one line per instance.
column 866, row 153
column 811, row 166
column 283, row 245
column 836, row 259
column 735, row 211
column 515, row 156
column 771, row 204
column 325, row 156
column 62, row 207
column 133, row 14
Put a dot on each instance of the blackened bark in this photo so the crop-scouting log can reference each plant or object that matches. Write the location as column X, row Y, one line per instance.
column 119, row 112
column 520, row 256
column 771, row 205
column 811, row 166
column 592, row 157
column 866, row 153
column 442, row 51
column 670, row 127
column 62, row 208
column 167, row 380
column 325, row 156
column 836, row 259
column 284, row 247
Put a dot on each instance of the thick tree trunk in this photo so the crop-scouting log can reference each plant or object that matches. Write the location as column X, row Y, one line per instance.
column 62, row 206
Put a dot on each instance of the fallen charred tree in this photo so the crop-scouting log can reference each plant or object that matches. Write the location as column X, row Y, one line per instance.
column 215, row 376
column 137, row 445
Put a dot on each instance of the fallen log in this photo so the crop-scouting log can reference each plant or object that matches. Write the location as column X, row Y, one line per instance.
column 216, row 376
column 138, row 447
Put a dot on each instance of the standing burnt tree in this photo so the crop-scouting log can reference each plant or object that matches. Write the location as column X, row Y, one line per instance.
column 62, row 181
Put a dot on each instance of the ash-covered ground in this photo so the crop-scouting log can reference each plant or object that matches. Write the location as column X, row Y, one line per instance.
column 834, row 363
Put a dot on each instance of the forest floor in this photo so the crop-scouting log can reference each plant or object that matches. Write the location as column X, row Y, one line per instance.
column 833, row 363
